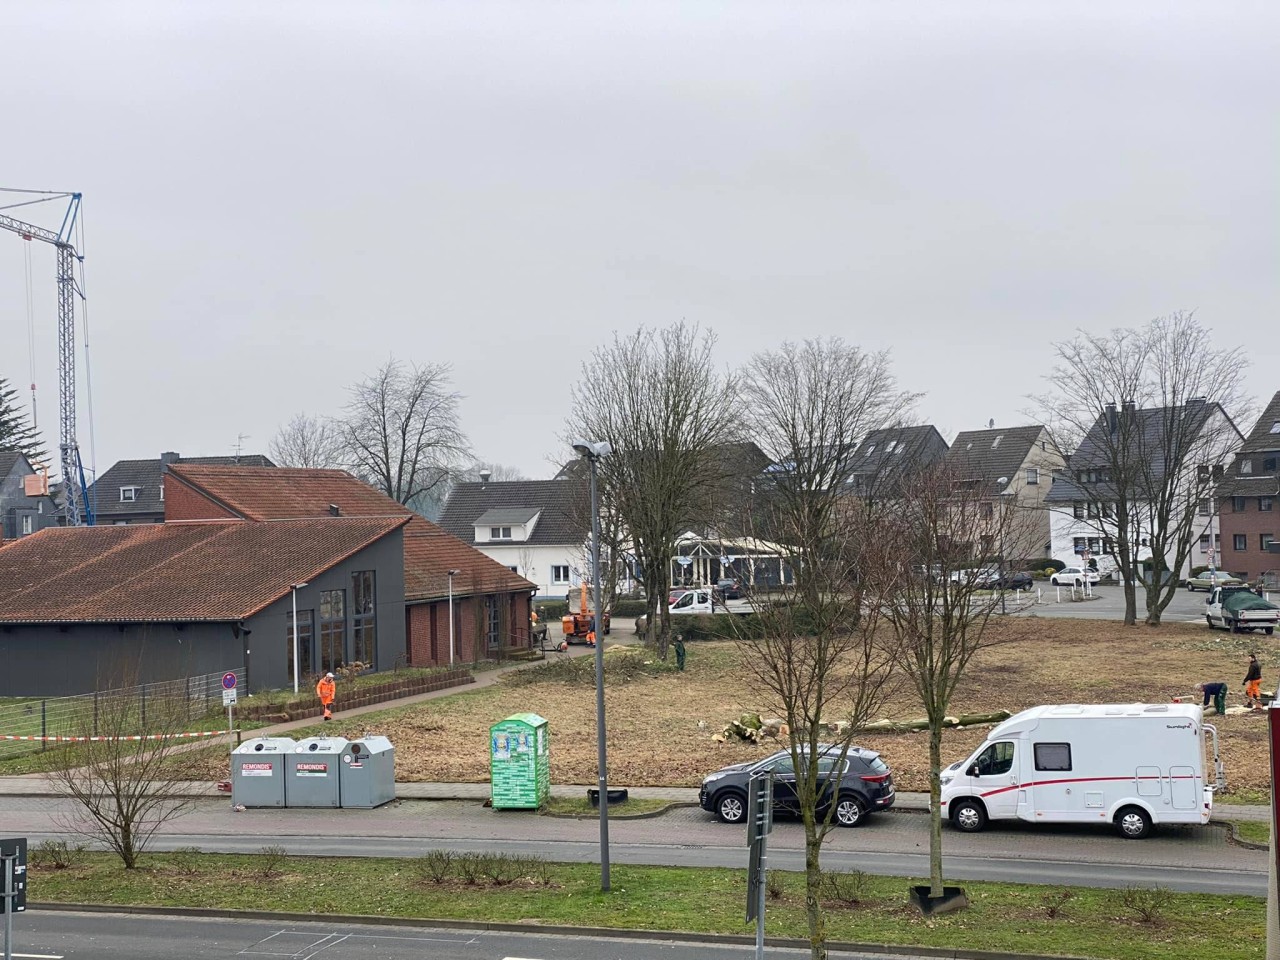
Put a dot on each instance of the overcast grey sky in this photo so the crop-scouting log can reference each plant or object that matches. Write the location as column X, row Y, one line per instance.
column 280, row 196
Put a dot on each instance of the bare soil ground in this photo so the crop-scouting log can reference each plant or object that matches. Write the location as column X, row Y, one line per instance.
column 661, row 723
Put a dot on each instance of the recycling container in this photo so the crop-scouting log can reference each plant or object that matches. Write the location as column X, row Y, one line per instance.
column 368, row 773
column 258, row 771
column 519, row 762
column 312, row 779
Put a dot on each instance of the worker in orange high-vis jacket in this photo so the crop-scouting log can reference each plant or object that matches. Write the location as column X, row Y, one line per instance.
column 325, row 690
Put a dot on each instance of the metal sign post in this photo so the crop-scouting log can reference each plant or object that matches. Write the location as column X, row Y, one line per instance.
column 229, row 699
column 1273, row 868
column 14, row 854
column 759, row 826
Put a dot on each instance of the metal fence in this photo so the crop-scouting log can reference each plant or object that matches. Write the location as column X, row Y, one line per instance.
column 79, row 716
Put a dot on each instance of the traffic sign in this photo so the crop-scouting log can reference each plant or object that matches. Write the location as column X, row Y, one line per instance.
column 14, row 852
column 228, row 681
column 760, row 807
column 228, row 696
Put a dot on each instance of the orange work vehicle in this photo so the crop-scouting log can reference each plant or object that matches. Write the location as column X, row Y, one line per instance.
column 577, row 626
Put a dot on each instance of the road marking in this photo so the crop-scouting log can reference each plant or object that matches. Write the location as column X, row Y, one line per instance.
column 37, row 956
column 504, row 958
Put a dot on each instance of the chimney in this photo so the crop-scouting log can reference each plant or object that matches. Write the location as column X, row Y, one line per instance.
column 168, row 457
column 1112, row 422
column 334, row 510
column 485, row 475
column 1130, row 406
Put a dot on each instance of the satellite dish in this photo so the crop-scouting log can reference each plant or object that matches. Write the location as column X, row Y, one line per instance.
column 991, row 424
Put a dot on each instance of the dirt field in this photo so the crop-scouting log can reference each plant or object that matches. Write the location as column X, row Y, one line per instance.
column 661, row 726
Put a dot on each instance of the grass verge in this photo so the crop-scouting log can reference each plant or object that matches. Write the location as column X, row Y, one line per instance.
column 1254, row 831
column 581, row 807
column 1017, row 919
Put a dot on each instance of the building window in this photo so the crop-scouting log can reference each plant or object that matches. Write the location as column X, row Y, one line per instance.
column 305, row 638
column 499, row 533
column 1217, row 541
column 128, row 494
column 515, row 570
column 1108, row 548
column 491, row 621
column 996, row 442
column 1204, row 508
column 1077, row 511
column 1237, row 504
column 1033, row 475
column 1092, row 511
column 1275, row 427
column 985, row 511
column 1264, row 541
column 28, row 524
column 162, row 491
column 1246, row 466
column 1204, row 543
column 1094, row 544
column 364, row 619
column 1106, row 511
column 1269, row 465
column 333, row 629
column 1265, row 504
column 1080, row 545
column 1239, row 542
column 560, row 573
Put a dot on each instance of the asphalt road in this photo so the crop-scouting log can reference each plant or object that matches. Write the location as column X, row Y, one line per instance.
column 105, row 936
column 892, row 844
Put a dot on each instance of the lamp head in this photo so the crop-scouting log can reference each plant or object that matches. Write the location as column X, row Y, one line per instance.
column 454, row 573
column 299, row 586
column 592, row 449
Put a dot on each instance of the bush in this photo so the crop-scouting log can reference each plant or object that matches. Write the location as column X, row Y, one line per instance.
column 272, row 861
column 185, row 861
column 775, row 885
column 470, row 868
column 435, row 866
column 57, row 854
column 1054, row 901
column 1149, row 904
column 1196, row 571
column 628, row 608
column 551, row 609
column 1053, row 565
column 848, row 888
column 620, row 666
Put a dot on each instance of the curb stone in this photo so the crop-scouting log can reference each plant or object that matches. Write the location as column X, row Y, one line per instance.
column 602, row 933
column 1240, row 841
column 652, row 814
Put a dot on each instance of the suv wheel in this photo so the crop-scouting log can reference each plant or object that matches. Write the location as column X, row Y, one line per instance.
column 731, row 807
column 849, row 811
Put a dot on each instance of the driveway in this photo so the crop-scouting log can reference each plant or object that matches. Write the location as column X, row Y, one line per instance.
column 1108, row 604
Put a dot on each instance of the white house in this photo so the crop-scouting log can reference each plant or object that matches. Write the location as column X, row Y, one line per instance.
column 1081, row 506
column 534, row 527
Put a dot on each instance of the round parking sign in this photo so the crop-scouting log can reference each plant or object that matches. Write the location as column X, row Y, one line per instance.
column 228, row 681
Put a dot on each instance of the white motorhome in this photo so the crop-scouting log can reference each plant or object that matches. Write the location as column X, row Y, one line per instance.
column 1132, row 765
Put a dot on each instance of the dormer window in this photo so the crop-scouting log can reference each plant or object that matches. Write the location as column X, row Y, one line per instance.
column 129, row 494
column 499, row 533
column 996, row 442
column 1246, row 466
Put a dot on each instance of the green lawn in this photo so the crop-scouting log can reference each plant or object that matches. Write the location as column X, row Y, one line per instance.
column 1017, row 919
column 1255, row 831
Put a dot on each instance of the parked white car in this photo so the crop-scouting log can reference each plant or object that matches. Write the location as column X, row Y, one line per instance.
column 1074, row 577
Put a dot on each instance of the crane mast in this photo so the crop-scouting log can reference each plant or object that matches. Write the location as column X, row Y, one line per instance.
column 74, row 489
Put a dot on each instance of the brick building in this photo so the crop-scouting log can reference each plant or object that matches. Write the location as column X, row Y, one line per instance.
column 1249, row 503
column 490, row 603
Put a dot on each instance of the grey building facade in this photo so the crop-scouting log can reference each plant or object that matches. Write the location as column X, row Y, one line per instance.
column 25, row 504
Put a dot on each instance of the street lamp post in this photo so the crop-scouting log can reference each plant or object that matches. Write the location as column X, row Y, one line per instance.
column 452, row 574
column 594, row 452
column 297, row 665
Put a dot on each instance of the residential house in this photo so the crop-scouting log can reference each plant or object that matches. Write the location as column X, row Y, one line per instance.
column 442, row 575
column 889, row 456
column 537, row 529
column 1248, row 503
column 1012, row 465
column 86, row 608
column 1082, row 498
column 132, row 491
column 25, row 503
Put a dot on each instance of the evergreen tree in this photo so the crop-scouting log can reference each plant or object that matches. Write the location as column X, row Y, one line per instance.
column 16, row 431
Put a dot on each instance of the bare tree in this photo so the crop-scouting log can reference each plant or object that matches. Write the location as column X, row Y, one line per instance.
column 927, row 582
column 808, row 406
column 665, row 410
column 123, row 785
column 307, row 441
column 1147, row 418
column 401, row 432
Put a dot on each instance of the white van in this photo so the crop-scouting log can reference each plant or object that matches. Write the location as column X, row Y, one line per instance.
column 702, row 600
column 1132, row 765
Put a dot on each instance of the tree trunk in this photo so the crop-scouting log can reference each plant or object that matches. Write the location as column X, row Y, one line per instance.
column 935, row 809
column 1130, row 598
column 812, row 888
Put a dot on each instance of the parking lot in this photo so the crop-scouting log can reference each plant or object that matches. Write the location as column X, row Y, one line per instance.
column 1107, row 603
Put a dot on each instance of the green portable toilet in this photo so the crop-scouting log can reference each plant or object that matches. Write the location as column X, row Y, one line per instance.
column 519, row 762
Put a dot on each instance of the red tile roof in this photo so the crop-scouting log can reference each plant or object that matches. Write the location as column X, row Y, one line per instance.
column 224, row 570
column 429, row 552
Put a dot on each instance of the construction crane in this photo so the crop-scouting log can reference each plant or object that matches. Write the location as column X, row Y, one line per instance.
column 75, row 497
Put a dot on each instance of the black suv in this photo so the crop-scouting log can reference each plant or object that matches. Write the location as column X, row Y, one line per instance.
column 863, row 785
